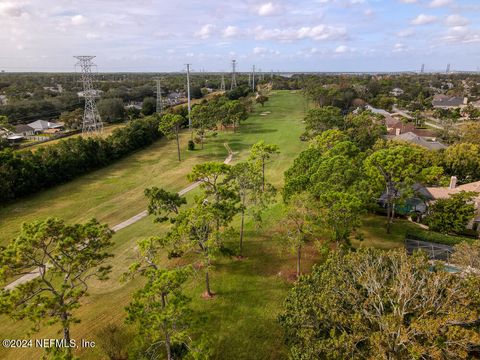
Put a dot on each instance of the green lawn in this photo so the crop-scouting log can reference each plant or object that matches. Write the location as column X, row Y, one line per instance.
column 241, row 320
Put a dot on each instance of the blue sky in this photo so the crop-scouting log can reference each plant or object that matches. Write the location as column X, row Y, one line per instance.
column 319, row 35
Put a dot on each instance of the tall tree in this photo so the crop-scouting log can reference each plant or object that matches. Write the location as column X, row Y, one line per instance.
column 340, row 215
column 161, row 311
column 396, row 168
column 149, row 106
column 196, row 230
column 247, row 178
column 261, row 153
column 67, row 257
column 463, row 161
column 299, row 224
column 372, row 304
column 213, row 178
column 453, row 214
column 321, row 119
column 162, row 203
column 170, row 127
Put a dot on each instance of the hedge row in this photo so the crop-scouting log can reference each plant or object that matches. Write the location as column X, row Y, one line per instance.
column 431, row 236
column 26, row 172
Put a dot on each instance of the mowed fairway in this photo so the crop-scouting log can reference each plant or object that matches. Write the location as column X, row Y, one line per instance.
column 240, row 322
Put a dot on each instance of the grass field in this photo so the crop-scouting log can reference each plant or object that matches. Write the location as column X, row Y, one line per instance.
column 241, row 320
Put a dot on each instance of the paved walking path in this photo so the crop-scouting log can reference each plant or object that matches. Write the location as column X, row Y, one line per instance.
column 36, row 273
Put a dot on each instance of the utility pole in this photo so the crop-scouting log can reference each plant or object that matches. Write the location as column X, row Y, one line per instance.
column 234, row 80
column 253, row 77
column 188, row 98
column 249, row 79
column 159, row 97
column 91, row 118
column 222, row 84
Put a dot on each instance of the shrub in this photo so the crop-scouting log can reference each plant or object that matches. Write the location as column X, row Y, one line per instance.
column 431, row 236
column 191, row 145
column 26, row 172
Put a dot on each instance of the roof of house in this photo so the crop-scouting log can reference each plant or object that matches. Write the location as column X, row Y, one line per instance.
column 445, row 192
column 44, row 125
column 447, row 101
column 417, row 140
column 23, row 128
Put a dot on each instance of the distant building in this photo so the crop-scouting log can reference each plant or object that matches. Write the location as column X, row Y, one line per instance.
column 449, row 102
column 415, row 139
column 42, row 125
column 397, row 92
column 24, row 130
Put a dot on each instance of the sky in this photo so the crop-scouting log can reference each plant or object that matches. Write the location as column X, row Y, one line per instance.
column 278, row 35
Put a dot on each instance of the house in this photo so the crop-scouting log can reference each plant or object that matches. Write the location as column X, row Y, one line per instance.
column 449, row 102
column 42, row 125
column 436, row 193
column 397, row 92
column 24, row 130
column 476, row 104
column 415, row 139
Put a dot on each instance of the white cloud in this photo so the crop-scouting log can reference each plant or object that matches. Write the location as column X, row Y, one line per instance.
column 11, row 9
column 231, row 32
column 408, row 1
column 423, row 19
column 269, row 9
column 264, row 51
column 319, row 32
column 205, row 31
column 93, row 36
column 456, row 20
column 440, row 3
column 399, row 47
column 78, row 20
column 341, row 49
column 406, row 33
column 461, row 34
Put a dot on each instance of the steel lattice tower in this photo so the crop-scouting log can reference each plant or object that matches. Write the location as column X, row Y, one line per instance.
column 222, row 84
column 448, row 69
column 91, row 118
column 423, row 69
column 234, row 80
column 159, row 96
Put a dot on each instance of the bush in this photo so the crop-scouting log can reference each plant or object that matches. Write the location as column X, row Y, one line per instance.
column 26, row 172
column 431, row 236
column 191, row 145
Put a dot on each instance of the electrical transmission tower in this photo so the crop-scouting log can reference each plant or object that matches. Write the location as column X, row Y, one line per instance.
column 423, row 69
column 222, row 84
column 91, row 118
column 159, row 96
column 448, row 69
column 234, row 80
